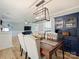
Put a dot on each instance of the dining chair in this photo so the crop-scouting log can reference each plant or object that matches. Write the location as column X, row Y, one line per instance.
column 33, row 46
column 22, row 45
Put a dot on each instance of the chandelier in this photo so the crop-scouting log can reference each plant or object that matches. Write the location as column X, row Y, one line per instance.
column 42, row 14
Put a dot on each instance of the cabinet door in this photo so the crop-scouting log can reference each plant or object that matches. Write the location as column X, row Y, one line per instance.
column 59, row 23
column 71, row 22
column 67, row 44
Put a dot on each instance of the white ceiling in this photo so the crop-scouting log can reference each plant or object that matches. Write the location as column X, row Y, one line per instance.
column 21, row 10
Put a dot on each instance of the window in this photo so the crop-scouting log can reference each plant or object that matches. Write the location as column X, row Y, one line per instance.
column 47, row 25
column 5, row 29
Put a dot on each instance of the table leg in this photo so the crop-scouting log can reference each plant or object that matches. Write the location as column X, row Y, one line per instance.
column 56, row 53
column 63, row 51
column 49, row 56
column 21, row 51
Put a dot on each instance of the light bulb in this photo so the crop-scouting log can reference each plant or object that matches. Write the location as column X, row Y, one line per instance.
column 25, row 22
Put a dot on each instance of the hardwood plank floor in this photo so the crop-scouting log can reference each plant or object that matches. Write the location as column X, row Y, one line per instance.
column 14, row 52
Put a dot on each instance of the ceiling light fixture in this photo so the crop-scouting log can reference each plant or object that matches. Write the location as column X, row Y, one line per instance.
column 42, row 14
column 26, row 22
column 41, row 2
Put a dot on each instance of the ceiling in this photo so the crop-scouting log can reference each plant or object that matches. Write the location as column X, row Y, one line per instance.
column 21, row 10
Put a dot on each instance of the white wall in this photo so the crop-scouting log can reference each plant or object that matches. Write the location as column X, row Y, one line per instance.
column 17, row 28
column 67, row 11
column 5, row 40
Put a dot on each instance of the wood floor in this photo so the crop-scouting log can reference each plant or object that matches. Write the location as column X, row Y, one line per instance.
column 14, row 52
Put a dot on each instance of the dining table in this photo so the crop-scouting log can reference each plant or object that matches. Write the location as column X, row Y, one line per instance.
column 49, row 47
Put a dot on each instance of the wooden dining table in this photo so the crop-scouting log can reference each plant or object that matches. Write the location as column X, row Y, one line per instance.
column 49, row 49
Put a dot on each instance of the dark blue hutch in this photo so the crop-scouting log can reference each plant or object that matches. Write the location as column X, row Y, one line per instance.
column 69, row 23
